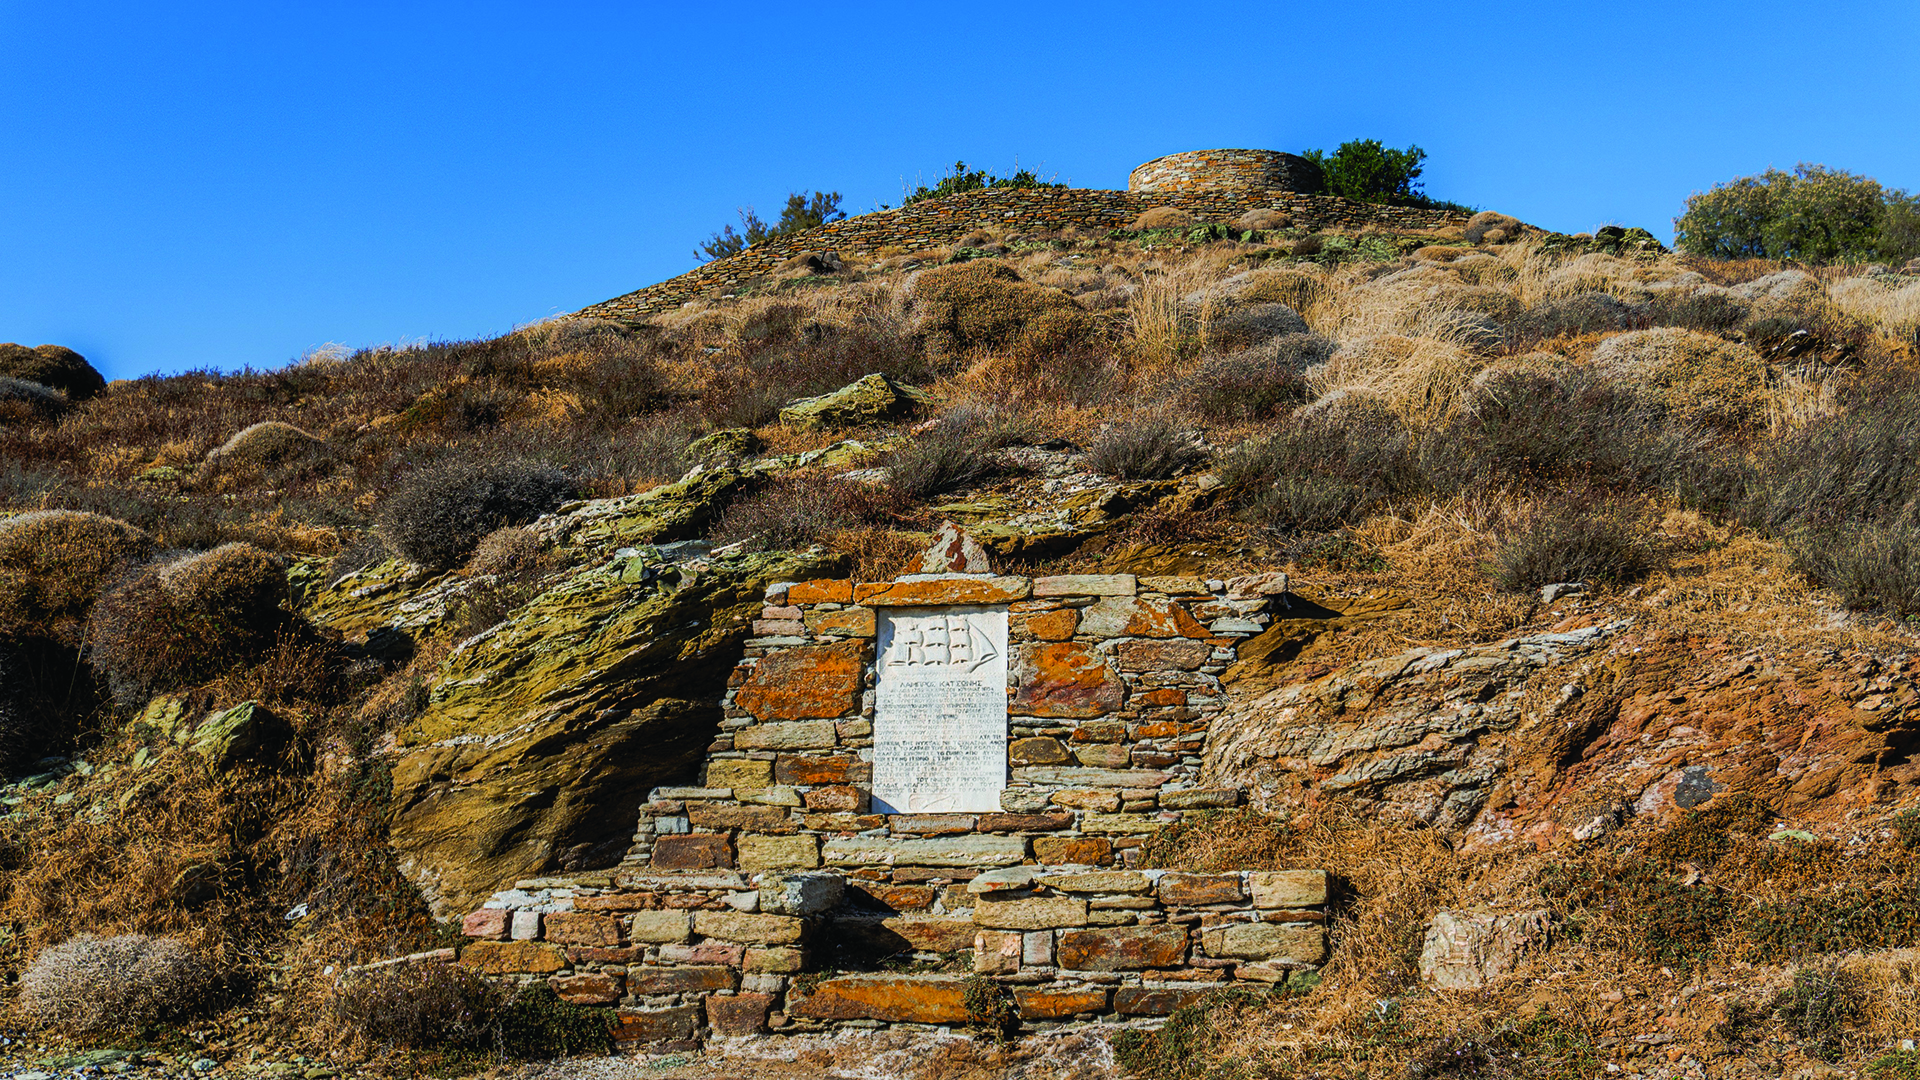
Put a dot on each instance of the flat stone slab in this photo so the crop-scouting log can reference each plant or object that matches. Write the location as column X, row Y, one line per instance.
column 938, row 851
column 938, row 592
column 894, row 999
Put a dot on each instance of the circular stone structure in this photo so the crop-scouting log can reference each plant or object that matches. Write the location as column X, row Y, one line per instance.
column 1228, row 170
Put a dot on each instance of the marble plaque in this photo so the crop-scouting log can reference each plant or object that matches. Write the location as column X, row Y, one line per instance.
column 940, row 710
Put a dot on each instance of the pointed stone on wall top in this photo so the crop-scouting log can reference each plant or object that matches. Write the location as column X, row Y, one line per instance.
column 954, row 551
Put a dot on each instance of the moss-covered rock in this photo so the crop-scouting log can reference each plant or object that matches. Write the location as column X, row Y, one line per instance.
column 542, row 737
column 678, row 511
column 871, row 400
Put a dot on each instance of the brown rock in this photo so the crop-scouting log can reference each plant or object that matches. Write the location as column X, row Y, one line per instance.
column 845, row 823
column 759, row 853
column 1104, row 755
column 894, row 999
column 574, row 928
column 807, row 769
column 811, row 682
column 846, row 622
column 588, row 989
column 788, row 735
column 739, row 1014
column 908, row 933
column 1288, row 888
column 1025, row 822
column 1040, row 1003
column 659, row 927
column 1086, row 585
column 931, row 824
column 634, row 1026
column 1199, row 799
column 707, row 952
column 1139, row 616
column 996, row 952
column 896, row 897
column 836, row 798
column 692, row 851
column 1037, row 751
column 1193, row 890
column 753, row 929
column 489, row 923
column 626, row 954
column 1050, row 625
column 1142, row 1001
column 821, row 591
column 995, row 590
column 775, row 959
column 1074, row 851
column 1078, row 799
column 1163, row 696
column 513, row 957
column 1123, row 948
column 1066, row 679
column 679, row 980
column 738, row 773
column 1101, row 731
column 1176, row 655
column 1031, row 913
column 724, row 816
column 1297, row 942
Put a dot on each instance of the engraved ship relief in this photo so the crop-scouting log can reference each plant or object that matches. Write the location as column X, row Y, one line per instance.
column 941, row 641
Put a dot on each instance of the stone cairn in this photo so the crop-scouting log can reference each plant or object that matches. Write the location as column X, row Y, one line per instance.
column 872, row 802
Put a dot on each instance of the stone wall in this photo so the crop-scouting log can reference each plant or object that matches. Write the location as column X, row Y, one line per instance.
column 1221, row 170
column 765, row 897
column 938, row 223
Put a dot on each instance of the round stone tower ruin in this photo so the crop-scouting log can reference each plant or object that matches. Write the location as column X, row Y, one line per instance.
column 1228, row 170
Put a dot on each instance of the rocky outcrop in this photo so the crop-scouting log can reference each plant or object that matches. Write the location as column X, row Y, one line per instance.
column 543, row 735
column 871, row 400
column 1553, row 737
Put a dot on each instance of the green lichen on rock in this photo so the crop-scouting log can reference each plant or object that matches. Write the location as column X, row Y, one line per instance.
column 727, row 444
column 678, row 511
column 871, row 400
column 542, row 737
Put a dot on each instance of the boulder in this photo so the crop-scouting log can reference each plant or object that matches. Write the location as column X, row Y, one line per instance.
column 954, row 551
column 727, row 444
column 541, row 738
column 248, row 731
column 871, row 400
column 1468, row 950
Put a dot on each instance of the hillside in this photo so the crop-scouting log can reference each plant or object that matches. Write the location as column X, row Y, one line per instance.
column 1597, row 619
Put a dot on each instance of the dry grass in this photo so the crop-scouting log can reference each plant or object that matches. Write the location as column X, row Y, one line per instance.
column 1894, row 311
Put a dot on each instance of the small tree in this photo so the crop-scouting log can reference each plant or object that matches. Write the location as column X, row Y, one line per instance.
column 801, row 212
column 1366, row 170
column 1814, row 214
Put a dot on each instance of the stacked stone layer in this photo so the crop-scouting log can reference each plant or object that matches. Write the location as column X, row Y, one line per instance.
column 744, row 895
column 938, row 223
column 1251, row 170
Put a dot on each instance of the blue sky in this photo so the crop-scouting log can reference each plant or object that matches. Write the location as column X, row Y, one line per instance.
column 216, row 185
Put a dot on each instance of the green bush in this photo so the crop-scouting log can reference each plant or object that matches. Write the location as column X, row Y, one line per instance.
column 52, row 365
column 1820, row 1006
column 1155, row 448
column 1813, row 214
column 801, row 212
column 439, row 515
column 1577, row 539
column 963, row 179
column 1365, row 170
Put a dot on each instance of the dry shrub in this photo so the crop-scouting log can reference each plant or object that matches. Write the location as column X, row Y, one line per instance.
column 1169, row 319
column 985, row 305
column 440, row 513
column 1707, row 309
column 1421, row 378
column 24, row 402
column 53, row 564
column 1163, row 217
column 1695, row 377
column 1244, row 327
column 1262, row 219
column 509, row 552
column 1893, row 310
column 800, row 510
column 189, row 620
column 1298, row 289
column 1328, row 465
column 1153, row 448
column 1482, row 224
column 955, row 453
column 91, row 985
column 52, row 365
column 1440, row 252
column 267, row 445
column 1576, row 538
column 414, row 1007
column 1580, row 313
column 1254, row 383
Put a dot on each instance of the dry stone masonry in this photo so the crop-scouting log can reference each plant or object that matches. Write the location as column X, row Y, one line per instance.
column 928, row 794
column 1227, row 170
column 1212, row 185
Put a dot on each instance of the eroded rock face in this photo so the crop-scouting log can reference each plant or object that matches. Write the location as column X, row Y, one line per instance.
column 1558, row 737
column 543, row 735
column 1407, row 732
